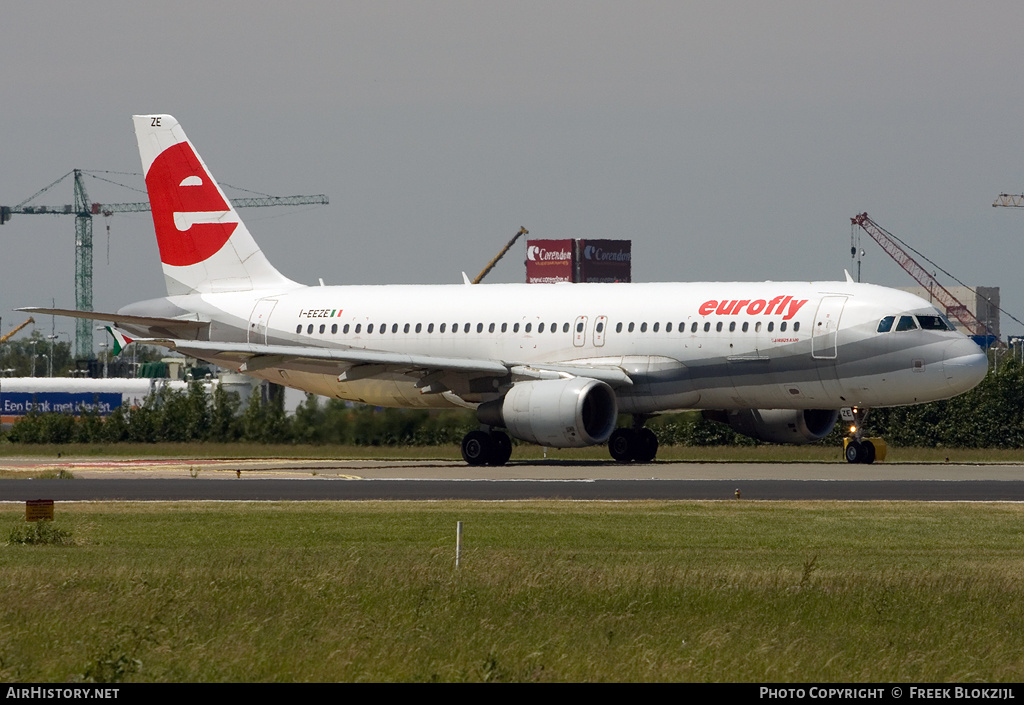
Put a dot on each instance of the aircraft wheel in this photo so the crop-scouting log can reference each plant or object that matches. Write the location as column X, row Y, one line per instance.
column 645, row 446
column 502, row 448
column 621, row 444
column 869, row 452
column 477, row 448
column 855, row 452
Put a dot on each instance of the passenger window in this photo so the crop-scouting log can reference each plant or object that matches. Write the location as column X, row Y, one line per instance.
column 419, row 328
column 565, row 327
column 885, row 325
column 515, row 327
column 796, row 326
column 693, row 328
column 465, row 328
column 540, row 328
column 618, row 327
column 600, row 327
column 643, row 327
column 579, row 327
column 405, row 328
column 668, row 327
column 529, row 327
column 369, row 328
column 298, row 328
column 345, row 329
column 322, row 328
column 782, row 327
column 479, row 327
column 745, row 326
column 718, row 327
column 630, row 329
column 771, row 326
column 309, row 329
column 732, row 326
column 442, row 327
column 707, row 326
column 430, row 327
column 359, row 327
column 757, row 327
column 906, row 323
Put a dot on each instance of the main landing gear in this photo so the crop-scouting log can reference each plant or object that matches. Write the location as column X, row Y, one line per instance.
column 637, row 444
column 486, row 448
column 857, row 449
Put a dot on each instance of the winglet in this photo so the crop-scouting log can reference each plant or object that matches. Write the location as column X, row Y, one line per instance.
column 465, row 279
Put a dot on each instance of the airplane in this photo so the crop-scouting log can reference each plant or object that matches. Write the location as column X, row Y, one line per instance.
column 551, row 364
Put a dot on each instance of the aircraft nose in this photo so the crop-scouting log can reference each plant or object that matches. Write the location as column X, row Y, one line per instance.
column 964, row 364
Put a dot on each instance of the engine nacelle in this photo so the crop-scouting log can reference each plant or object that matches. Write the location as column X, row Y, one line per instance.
column 560, row 413
column 796, row 426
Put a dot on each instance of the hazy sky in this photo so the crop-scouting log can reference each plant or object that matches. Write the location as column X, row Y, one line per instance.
column 728, row 140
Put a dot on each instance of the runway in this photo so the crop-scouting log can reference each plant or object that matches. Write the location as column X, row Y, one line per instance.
column 360, row 480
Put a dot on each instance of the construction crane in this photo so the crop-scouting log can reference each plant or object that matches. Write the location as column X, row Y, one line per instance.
column 84, row 210
column 894, row 247
column 508, row 246
column 7, row 336
column 1009, row 200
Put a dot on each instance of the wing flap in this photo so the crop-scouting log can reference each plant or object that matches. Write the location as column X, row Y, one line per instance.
column 250, row 357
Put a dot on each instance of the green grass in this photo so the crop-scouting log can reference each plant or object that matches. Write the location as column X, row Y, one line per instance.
column 547, row 591
column 521, row 452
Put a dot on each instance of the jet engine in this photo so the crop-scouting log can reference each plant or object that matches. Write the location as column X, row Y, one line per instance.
column 561, row 413
column 796, row 426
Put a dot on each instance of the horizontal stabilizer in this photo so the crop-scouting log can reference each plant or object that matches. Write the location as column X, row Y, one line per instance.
column 119, row 319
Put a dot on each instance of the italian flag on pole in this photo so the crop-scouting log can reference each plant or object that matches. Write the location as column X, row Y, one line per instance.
column 121, row 341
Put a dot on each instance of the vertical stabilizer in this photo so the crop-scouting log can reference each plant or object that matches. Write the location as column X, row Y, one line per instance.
column 204, row 245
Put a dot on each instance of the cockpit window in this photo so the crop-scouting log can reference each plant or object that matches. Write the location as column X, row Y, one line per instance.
column 885, row 325
column 906, row 323
column 934, row 323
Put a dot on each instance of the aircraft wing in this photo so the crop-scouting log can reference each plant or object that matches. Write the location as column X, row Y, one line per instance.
column 349, row 363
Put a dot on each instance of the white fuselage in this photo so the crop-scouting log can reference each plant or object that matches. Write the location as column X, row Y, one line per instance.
column 726, row 345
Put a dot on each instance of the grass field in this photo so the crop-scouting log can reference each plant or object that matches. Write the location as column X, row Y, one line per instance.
column 547, row 591
column 521, row 452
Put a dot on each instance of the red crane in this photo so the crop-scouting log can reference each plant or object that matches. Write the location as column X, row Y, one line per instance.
column 891, row 244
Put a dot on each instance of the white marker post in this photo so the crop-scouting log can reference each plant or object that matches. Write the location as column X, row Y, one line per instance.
column 458, row 543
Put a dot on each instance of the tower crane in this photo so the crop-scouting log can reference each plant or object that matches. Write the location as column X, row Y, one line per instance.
column 893, row 247
column 84, row 210
column 1009, row 200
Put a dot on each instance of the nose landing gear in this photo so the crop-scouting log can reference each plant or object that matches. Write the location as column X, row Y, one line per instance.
column 856, row 448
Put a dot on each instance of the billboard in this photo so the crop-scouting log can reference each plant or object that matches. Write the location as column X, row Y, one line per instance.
column 605, row 260
column 16, row 404
column 550, row 261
